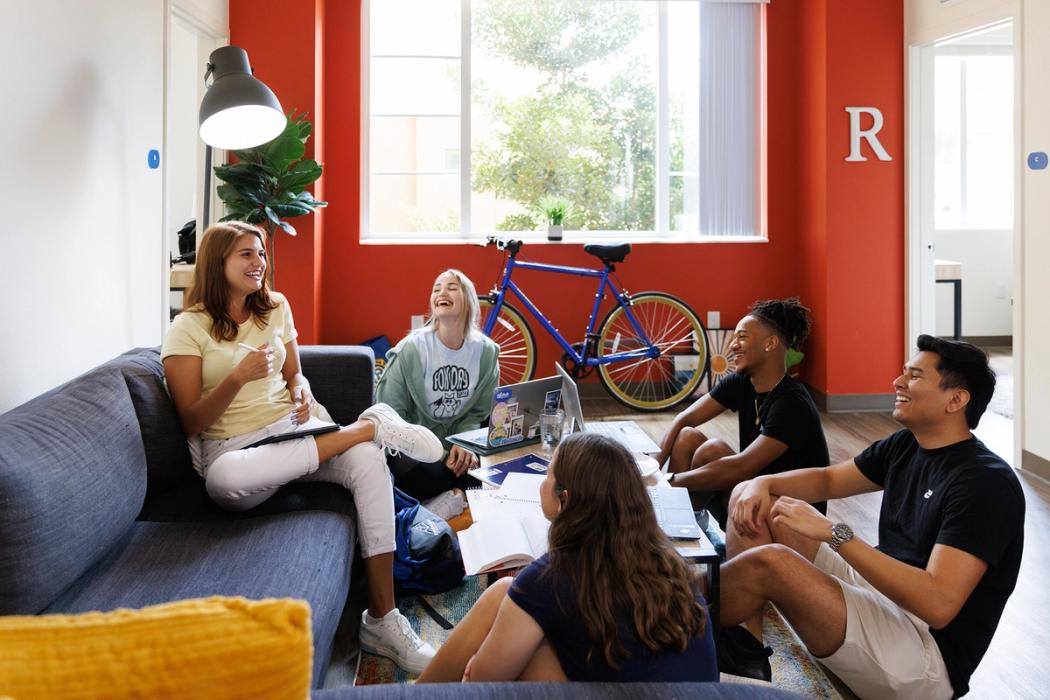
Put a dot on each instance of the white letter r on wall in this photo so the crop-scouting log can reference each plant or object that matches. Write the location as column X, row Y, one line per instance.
column 856, row 133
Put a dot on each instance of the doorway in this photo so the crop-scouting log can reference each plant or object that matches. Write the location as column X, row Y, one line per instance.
column 190, row 40
column 961, row 224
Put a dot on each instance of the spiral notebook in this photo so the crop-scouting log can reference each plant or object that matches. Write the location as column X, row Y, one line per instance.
column 509, row 529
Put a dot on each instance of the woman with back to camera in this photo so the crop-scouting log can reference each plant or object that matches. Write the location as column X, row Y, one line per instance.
column 442, row 376
column 232, row 367
column 610, row 601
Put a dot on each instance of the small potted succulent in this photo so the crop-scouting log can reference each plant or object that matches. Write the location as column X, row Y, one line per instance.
column 554, row 209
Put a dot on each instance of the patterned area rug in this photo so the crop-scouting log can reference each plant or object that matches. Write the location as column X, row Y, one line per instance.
column 793, row 668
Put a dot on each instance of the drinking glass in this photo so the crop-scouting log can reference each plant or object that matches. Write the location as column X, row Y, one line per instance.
column 552, row 420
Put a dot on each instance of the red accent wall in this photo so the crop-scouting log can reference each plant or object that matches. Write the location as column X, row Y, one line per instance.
column 835, row 228
column 865, row 200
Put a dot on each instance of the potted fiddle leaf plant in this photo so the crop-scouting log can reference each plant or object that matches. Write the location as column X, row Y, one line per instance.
column 554, row 209
column 267, row 184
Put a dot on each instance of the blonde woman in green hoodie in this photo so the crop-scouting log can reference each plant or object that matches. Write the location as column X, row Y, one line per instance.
column 442, row 377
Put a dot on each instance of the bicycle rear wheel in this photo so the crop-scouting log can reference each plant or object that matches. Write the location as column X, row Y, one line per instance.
column 663, row 382
column 517, row 344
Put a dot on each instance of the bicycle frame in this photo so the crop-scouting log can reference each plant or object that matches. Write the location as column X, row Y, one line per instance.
column 604, row 284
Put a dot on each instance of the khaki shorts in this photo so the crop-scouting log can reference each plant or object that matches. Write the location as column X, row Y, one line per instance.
column 888, row 652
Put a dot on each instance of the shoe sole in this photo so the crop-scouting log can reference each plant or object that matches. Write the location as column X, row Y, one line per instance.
column 388, row 653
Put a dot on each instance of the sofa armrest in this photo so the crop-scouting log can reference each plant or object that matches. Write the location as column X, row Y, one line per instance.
column 340, row 377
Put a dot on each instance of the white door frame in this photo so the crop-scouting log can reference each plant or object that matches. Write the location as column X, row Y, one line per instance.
column 916, row 189
column 210, row 27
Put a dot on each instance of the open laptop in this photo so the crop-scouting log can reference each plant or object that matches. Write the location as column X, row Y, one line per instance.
column 514, row 416
column 625, row 432
column 674, row 512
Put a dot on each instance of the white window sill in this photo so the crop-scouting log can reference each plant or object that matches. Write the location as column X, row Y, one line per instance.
column 569, row 237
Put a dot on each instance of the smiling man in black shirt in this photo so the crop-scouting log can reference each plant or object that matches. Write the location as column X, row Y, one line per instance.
column 913, row 616
column 779, row 424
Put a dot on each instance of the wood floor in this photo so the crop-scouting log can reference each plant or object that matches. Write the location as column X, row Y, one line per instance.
column 1014, row 666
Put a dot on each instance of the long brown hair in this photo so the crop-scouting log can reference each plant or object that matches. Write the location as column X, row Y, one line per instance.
column 607, row 541
column 209, row 292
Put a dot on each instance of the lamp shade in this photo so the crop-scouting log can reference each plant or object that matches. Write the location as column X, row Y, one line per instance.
column 238, row 111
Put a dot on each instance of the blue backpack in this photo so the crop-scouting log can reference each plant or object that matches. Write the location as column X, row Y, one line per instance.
column 427, row 559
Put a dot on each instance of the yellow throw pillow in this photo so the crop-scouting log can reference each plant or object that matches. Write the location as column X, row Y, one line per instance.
column 205, row 648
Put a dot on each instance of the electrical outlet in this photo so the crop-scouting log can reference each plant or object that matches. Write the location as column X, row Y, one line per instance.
column 417, row 322
column 714, row 319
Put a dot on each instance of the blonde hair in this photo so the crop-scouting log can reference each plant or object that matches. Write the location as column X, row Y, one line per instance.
column 472, row 317
column 210, row 293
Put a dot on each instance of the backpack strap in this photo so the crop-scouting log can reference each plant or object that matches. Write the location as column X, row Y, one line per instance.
column 434, row 614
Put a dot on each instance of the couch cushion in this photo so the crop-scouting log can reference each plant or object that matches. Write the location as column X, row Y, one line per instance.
column 340, row 378
column 190, row 502
column 72, row 480
column 167, row 455
column 556, row 691
column 305, row 555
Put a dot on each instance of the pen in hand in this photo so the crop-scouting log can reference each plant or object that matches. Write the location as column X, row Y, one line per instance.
column 249, row 348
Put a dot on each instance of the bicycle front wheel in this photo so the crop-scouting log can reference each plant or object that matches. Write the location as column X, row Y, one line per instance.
column 658, row 383
column 517, row 345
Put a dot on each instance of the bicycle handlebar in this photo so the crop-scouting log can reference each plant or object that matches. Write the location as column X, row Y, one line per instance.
column 511, row 244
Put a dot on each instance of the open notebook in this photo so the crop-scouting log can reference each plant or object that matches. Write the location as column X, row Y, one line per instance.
column 509, row 529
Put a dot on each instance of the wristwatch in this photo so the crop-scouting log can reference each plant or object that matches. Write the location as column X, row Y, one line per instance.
column 841, row 533
column 670, row 479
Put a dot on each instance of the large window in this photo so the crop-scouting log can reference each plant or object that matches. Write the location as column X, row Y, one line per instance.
column 645, row 115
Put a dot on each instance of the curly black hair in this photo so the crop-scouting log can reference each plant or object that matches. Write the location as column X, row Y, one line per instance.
column 788, row 318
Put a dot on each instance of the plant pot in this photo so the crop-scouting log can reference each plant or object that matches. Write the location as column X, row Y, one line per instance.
column 554, row 232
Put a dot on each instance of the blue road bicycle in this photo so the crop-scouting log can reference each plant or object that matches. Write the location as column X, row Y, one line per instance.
column 650, row 349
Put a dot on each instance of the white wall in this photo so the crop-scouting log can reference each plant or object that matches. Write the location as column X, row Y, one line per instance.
column 987, row 266
column 1035, row 250
column 84, row 276
column 82, row 211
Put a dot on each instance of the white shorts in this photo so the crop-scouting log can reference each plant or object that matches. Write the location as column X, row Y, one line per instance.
column 888, row 652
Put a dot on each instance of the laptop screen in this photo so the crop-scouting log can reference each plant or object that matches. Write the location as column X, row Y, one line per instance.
column 570, row 398
column 516, row 409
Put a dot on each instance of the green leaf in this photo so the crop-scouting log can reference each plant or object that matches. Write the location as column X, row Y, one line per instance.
column 290, row 210
column 285, row 149
column 288, row 228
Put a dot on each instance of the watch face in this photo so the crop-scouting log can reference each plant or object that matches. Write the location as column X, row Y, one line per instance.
column 841, row 531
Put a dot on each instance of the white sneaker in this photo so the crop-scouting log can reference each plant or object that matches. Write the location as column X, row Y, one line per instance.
column 447, row 504
column 401, row 437
column 393, row 637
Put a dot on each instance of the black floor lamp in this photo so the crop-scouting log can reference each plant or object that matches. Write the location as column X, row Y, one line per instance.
column 238, row 110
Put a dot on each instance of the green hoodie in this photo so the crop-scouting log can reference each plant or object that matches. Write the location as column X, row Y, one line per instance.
column 402, row 388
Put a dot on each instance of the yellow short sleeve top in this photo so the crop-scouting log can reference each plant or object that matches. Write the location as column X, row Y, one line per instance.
column 259, row 402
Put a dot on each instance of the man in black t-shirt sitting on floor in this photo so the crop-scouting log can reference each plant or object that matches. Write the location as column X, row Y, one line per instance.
column 912, row 617
column 778, row 421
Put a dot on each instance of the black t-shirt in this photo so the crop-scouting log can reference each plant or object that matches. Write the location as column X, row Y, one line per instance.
column 785, row 413
column 962, row 496
column 551, row 602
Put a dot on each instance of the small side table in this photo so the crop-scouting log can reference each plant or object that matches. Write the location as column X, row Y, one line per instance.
column 950, row 272
column 181, row 278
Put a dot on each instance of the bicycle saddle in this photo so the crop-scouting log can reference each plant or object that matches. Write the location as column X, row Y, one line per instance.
column 612, row 252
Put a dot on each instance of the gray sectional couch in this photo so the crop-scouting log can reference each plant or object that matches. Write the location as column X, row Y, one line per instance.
column 100, row 509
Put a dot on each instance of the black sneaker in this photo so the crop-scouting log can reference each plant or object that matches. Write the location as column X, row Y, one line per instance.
column 740, row 654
